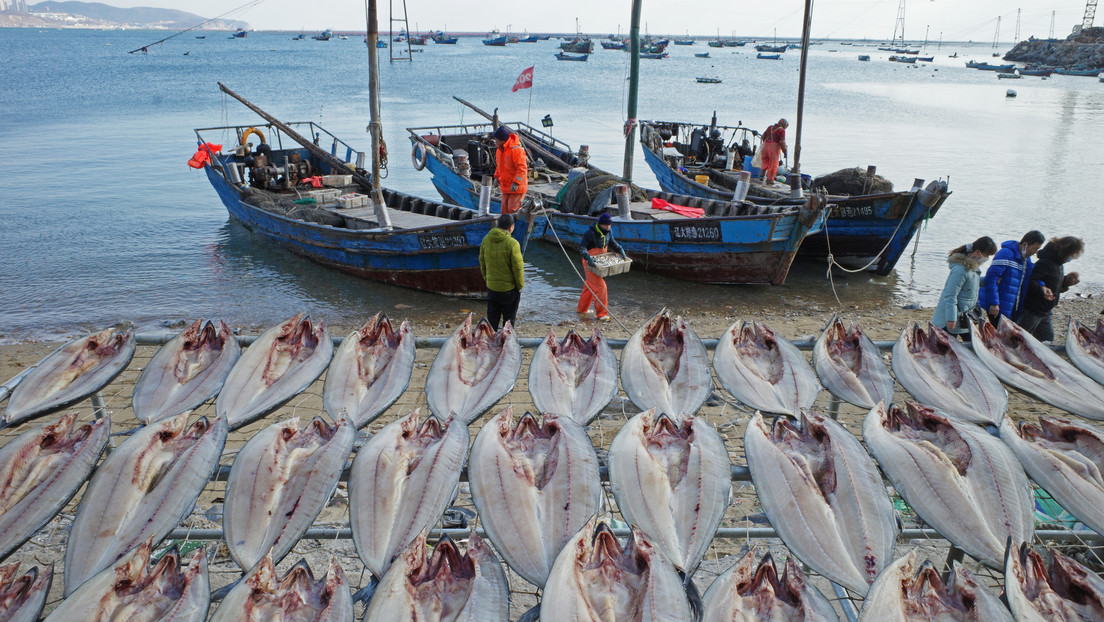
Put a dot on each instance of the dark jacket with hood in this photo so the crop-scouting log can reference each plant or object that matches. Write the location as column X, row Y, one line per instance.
column 1006, row 280
column 1048, row 271
column 960, row 293
column 594, row 238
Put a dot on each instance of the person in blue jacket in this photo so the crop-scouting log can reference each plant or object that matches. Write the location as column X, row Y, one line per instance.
column 1005, row 283
column 960, row 293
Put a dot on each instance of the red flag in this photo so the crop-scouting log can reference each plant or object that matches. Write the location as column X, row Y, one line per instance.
column 524, row 81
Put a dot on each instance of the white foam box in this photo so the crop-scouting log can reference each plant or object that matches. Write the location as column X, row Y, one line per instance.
column 352, row 200
column 324, row 196
column 337, row 180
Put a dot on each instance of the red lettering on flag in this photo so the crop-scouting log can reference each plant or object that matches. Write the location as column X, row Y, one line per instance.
column 524, row 81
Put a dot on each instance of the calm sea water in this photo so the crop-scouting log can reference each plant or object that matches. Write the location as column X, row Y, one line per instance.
column 103, row 221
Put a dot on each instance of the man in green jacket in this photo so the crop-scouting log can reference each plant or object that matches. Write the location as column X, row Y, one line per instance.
column 501, row 264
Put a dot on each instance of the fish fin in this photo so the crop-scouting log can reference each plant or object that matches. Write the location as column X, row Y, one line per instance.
column 532, row 615
column 221, row 593
column 364, row 594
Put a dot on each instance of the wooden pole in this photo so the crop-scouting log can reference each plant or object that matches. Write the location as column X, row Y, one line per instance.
column 808, row 22
column 383, row 218
column 634, row 83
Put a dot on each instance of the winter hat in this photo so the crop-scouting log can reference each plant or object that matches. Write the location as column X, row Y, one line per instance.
column 605, row 219
column 502, row 133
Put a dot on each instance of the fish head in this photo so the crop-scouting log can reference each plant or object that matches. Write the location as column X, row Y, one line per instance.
column 300, row 333
column 15, row 591
column 603, row 552
column 1071, row 581
column 109, row 341
column 534, row 443
column 1027, row 568
column 1087, row 338
column 322, row 428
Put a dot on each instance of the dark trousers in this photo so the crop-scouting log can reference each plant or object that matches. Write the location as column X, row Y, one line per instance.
column 1038, row 324
column 502, row 307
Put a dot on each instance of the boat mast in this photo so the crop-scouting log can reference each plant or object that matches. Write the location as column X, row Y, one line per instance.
column 795, row 179
column 634, row 82
column 374, row 128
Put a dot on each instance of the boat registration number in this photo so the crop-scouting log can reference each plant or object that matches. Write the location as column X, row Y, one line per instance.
column 854, row 211
column 435, row 241
column 696, row 232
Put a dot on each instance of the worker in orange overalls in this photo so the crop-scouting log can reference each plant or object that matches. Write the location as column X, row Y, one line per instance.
column 774, row 146
column 597, row 240
column 511, row 169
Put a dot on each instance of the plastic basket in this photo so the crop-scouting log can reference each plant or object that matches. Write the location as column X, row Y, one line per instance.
column 610, row 264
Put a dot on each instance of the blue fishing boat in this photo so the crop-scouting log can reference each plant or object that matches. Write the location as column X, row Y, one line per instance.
column 613, row 44
column 655, row 55
column 1063, row 71
column 730, row 242
column 973, row 64
column 866, row 225
column 411, row 242
column 239, row 34
column 442, row 38
column 579, row 45
column 575, row 57
column 495, row 39
column 701, row 54
column 771, row 48
column 529, row 39
column 684, row 42
column 762, row 56
column 325, row 35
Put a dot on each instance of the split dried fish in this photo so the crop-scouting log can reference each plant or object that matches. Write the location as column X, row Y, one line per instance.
column 943, row 373
column 574, row 377
column 904, row 594
column 1060, row 590
column 401, row 481
column 764, row 370
column 22, row 597
column 959, row 479
column 851, row 366
column 133, row 590
column 673, row 481
column 370, row 370
column 280, row 364
column 753, row 592
column 473, row 370
column 1022, row 361
column 1085, row 348
column 1066, row 458
column 262, row 596
column 280, row 482
column 444, row 586
column 535, row 484
column 596, row 578
column 41, row 470
column 186, row 372
column 141, row 491
column 71, row 373
column 665, row 366
column 824, row 495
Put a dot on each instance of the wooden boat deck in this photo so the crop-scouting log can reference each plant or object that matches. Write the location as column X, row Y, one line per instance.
column 365, row 218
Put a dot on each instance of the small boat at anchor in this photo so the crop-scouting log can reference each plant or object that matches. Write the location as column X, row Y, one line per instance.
column 574, row 57
column 762, row 56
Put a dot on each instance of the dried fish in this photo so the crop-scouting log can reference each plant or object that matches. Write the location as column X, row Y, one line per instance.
column 186, row 372
column 444, row 586
column 402, row 480
column 824, row 495
column 597, row 579
column 1060, row 590
column 665, row 366
column 262, row 596
column 959, row 479
column 41, row 470
column 71, row 373
column 904, row 594
column 133, row 590
column 535, row 484
column 22, row 598
column 573, row 378
column 280, row 364
column 1022, row 361
column 764, row 370
column 1066, row 458
column 140, row 492
column 473, row 370
column 1085, row 348
column 754, row 592
column 370, row 370
column 280, row 481
column 851, row 366
column 943, row 373
column 673, row 481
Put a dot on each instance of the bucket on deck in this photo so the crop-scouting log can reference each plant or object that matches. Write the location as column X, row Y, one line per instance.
column 702, row 179
column 755, row 172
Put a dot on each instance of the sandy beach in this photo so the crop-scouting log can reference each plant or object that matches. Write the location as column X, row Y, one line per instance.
column 882, row 322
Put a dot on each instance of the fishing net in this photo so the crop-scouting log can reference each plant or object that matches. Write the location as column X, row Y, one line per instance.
column 853, row 181
column 577, row 196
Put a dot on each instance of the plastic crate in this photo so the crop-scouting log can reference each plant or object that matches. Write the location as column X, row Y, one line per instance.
column 610, row 264
column 352, row 200
column 324, row 196
column 337, row 180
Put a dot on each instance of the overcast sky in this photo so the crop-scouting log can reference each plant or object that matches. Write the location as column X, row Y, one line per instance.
column 957, row 20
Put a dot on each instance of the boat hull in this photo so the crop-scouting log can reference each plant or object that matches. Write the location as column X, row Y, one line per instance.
column 404, row 259
column 861, row 230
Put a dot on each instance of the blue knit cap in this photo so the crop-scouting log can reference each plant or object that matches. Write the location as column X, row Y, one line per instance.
column 502, row 133
column 605, row 219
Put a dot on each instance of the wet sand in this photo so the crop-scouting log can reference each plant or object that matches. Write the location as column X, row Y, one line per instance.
column 794, row 318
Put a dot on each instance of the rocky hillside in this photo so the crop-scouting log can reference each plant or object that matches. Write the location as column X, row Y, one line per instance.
column 74, row 14
column 1083, row 51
